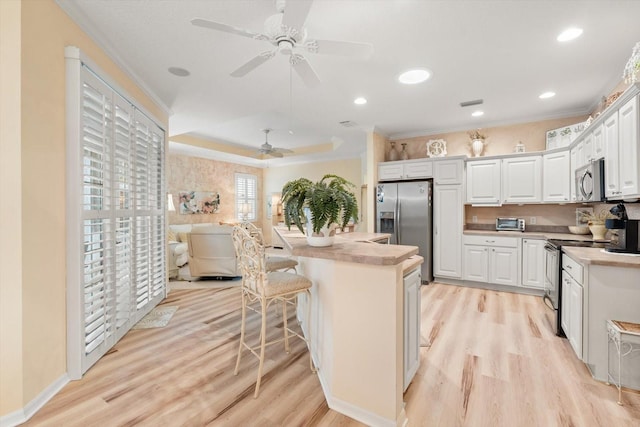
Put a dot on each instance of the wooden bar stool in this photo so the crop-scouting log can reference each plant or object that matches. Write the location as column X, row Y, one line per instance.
column 262, row 287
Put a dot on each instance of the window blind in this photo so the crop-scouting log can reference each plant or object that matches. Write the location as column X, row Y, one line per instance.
column 122, row 231
column 246, row 194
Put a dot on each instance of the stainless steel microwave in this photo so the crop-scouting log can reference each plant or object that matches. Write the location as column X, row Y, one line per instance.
column 509, row 224
column 590, row 182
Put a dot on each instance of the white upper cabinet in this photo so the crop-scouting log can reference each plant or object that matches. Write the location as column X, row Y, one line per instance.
column 612, row 180
column 629, row 161
column 598, row 142
column 407, row 169
column 483, row 181
column 587, row 143
column 556, row 177
column 522, row 179
column 448, row 171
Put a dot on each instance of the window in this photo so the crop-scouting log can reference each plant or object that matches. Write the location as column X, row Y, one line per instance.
column 246, row 196
column 116, row 218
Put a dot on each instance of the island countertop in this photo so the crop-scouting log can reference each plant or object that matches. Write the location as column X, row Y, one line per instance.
column 357, row 247
column 597, row 256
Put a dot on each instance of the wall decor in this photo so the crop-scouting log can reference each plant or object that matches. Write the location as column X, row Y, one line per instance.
column 198, row 202
column 436, row 148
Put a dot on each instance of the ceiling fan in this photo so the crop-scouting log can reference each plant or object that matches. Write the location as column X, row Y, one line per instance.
column 285, row 30
column 269, row 149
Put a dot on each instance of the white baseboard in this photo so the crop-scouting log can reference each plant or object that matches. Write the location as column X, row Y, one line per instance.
column 21, row 415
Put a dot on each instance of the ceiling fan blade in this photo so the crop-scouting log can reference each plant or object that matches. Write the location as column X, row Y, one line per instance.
column 274, row 154
column 253, row 63
column 227, row 28
column 331, row 47
column 295, row 13
column 304, row 70
column 283, row 150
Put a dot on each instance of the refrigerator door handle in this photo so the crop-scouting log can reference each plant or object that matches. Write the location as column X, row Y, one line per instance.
column 397, row 222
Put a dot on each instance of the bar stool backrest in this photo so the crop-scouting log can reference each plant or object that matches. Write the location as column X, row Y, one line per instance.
column 251, row 260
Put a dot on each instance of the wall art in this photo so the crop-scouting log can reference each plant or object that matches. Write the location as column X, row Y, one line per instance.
column 198, row 202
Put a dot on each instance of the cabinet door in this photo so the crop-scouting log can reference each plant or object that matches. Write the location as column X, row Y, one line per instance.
column 483, row 181
column 533, row 259
column 503, row 266
column 611, row 161
column 390, row 171
column 447, row 221
column 598, row 142
column 522, row 179
column 628, row 147
column 418, row 170
column 556, row 180
column 412, row 312
column 587, row 144
column 575, row 316
column 565, row 310
column 448, row 171
column 572, row 176
column 476, row 263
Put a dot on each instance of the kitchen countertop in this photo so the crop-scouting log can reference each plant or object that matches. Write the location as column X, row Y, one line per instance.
column 413, row 262
column 348, row 247
column 597, row 256
column 530, row 234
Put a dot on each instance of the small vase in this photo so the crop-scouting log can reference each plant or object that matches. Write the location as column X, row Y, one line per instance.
column 598, row 230
column 477, row 145
column 404, row 154
column 393, row 153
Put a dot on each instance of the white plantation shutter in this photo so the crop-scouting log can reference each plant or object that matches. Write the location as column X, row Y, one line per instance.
column 246, row 193
column 116, row 216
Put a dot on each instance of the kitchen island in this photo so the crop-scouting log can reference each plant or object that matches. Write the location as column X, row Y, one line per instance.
column 357, row 321
column 610, row 291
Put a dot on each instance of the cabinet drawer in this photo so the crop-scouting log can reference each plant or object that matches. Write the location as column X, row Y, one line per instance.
column 508, row 242
column 572, row 267
column 418, row 170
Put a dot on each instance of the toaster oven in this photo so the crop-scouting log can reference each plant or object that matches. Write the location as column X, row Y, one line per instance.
column 510, row 224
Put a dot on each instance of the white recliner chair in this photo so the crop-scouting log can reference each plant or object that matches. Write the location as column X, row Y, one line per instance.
column 211, row 252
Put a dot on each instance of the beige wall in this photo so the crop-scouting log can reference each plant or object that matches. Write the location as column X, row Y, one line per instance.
column 38, row 312
column 500, row 140
column 11, row 351
column 186, row 173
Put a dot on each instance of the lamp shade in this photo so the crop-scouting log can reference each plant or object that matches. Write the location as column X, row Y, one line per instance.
column 245, row 208
column 170, row 206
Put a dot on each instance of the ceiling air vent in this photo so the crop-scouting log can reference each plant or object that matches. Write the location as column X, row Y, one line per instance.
column 470, row 103
column 348, row 124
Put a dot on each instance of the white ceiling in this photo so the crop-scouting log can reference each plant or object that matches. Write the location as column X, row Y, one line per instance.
column 504, row 52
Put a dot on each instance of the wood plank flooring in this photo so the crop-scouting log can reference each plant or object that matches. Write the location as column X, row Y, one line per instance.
column 490, row 359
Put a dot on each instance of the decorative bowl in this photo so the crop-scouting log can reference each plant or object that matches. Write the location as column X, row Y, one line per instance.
column 579, row 229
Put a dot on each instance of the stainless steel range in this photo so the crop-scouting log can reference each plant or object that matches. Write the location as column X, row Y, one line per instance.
column 553, row 272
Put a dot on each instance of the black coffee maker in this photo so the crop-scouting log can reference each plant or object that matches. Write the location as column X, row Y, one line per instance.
column 625, row 232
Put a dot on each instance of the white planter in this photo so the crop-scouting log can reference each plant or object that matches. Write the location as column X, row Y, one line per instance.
column 477, row 146
column 324, row 238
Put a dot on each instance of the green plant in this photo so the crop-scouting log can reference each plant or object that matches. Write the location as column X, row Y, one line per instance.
column 329, row 200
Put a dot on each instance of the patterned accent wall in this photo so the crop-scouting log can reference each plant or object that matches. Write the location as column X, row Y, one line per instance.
column 186, row 173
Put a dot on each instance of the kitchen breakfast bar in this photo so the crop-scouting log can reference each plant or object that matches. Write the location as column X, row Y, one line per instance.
column 357, row 321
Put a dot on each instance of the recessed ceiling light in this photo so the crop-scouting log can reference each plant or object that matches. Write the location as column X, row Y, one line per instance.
column 477, row 113
column 569, row 34
column 360, row 101
column 547, row 95
column 415, row 76
column 180, row 72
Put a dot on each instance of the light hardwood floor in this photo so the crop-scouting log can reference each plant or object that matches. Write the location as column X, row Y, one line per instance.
column 492, row 361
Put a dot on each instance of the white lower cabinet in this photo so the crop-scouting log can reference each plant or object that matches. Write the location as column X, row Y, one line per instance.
column 491, row 259
column 572, row 305
column 533, row 259
column 412, row 282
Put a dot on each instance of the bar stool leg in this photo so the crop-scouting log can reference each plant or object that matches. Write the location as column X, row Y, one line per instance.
column 308, row 325
column 263, row 337
column 242, row 330
column 285, row 326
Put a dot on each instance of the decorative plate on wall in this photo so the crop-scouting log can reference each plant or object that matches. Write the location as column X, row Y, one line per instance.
column 436, row 148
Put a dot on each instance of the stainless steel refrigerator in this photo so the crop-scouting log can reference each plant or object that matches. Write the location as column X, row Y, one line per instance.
column 404, row 210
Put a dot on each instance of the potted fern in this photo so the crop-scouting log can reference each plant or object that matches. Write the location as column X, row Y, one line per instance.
column 320, row 206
